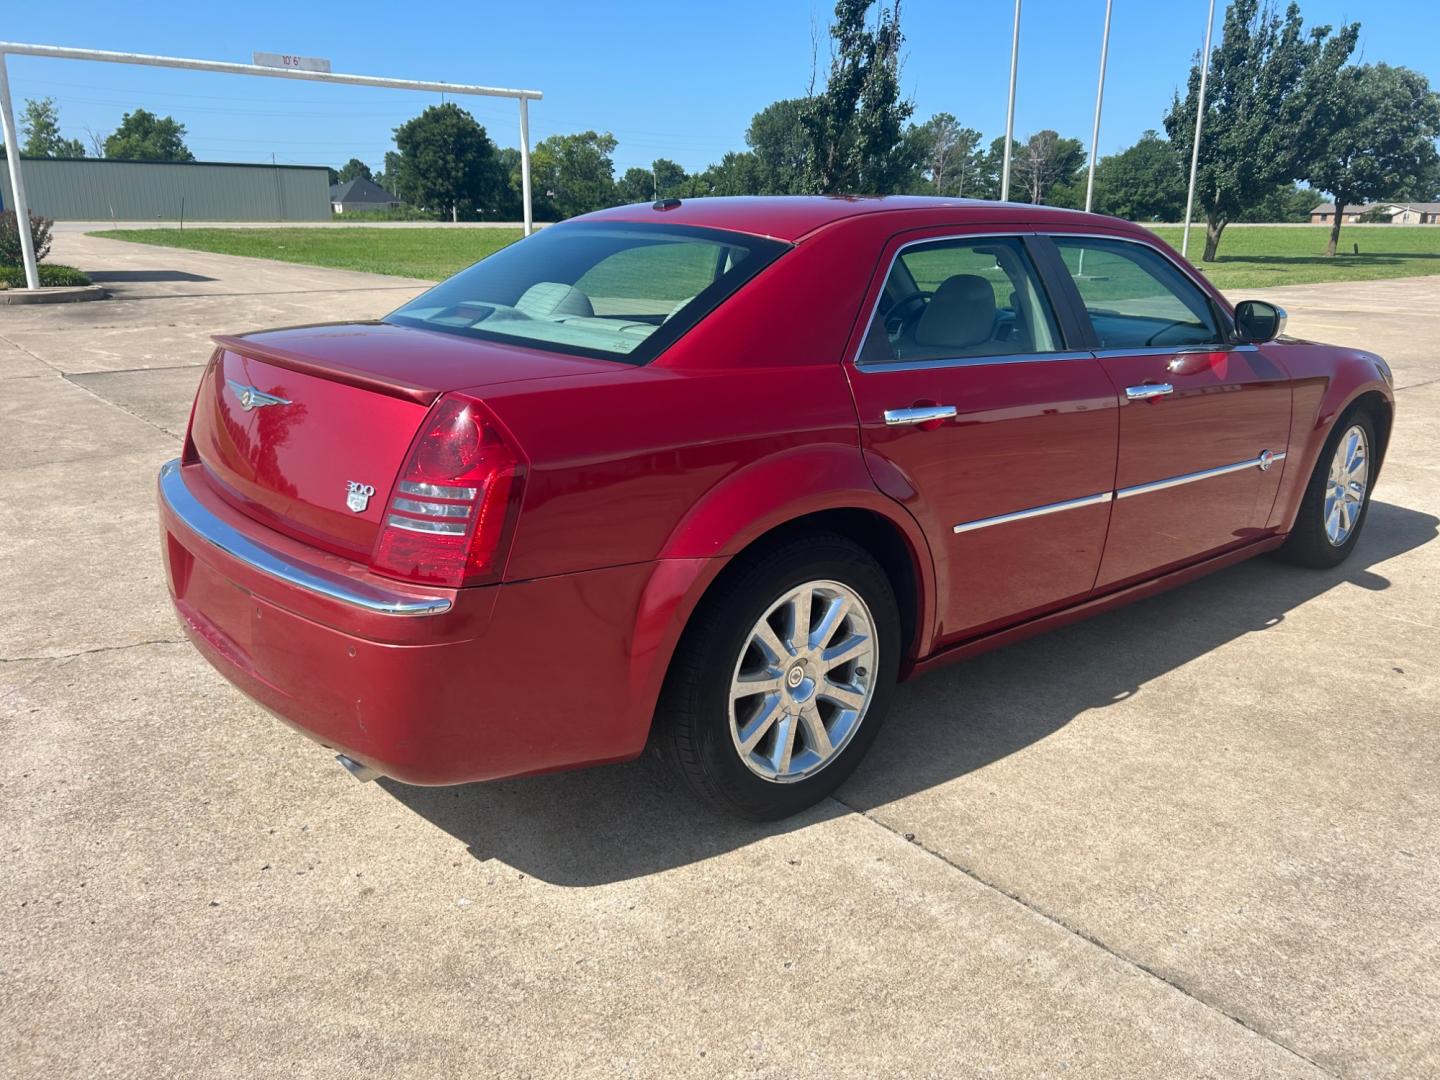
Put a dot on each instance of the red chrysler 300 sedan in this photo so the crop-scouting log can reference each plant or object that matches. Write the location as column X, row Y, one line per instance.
column 714, row 475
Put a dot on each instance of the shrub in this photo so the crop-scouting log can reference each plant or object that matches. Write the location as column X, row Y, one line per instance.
column 51, row 274
column 10, row 253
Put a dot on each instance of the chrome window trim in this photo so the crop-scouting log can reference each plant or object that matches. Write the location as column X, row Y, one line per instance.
column 1169, row 350
column 959, row 361
column 1034, row 512
column 974, row 361
column 1262, row 461
column 216, row 532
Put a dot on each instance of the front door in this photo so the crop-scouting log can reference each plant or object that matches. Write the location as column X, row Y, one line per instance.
column 979, row 415
column 1204, row 425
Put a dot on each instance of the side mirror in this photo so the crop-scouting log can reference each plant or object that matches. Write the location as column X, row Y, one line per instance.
column 1257, row 322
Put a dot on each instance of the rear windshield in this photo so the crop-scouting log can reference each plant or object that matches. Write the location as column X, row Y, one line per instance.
column 619, row 292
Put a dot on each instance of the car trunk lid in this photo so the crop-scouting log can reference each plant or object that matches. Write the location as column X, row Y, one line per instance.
column 304, row 430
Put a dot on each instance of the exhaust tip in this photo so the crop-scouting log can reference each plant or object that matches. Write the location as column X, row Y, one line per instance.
column 363, row 773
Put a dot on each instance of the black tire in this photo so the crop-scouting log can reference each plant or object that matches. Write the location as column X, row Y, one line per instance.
column 693, row 717
column 1308, row 544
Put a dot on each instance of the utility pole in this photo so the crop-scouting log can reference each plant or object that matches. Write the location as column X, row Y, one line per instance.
column 1099, row 99
column 1010, row 111
column 1199, row 123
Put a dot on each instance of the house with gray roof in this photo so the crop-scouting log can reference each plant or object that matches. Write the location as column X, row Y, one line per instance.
column 359, row 195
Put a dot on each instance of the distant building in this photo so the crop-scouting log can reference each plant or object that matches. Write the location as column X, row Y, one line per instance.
column 104, row 189
column 1397, row 213
column 359, row 195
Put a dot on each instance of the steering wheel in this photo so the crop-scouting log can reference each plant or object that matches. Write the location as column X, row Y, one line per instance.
column 906, row 310
column 1164, row 329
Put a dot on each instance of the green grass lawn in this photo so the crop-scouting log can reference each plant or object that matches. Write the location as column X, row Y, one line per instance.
column 425, row 253
column 1256, row 257
column 1251, row 257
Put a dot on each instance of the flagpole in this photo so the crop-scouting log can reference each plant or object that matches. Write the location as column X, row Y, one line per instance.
column 1010, row 112
column 1199, row 122
column 1099, row 100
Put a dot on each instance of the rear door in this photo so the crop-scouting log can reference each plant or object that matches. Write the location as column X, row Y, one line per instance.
column 1202, row 422
column 978, row 414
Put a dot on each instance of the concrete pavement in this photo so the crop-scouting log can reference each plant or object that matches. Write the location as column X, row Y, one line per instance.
column 1196, row 837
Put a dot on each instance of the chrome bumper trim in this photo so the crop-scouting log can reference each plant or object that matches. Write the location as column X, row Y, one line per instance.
column 1038, row 511
column 206, row 525
column 1262, row 462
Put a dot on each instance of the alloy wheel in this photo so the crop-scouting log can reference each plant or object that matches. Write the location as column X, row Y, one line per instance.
column 1346, row 484
column 803, row 681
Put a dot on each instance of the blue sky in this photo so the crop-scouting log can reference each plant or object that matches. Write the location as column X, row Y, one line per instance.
column 666, row 78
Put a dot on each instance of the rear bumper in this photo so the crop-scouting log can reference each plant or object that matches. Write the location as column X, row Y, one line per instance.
column 425, row 686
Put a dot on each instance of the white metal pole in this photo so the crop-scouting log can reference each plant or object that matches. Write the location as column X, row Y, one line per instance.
column 525, row 165
column 1099, row 99
column 145, row 59
column 1199, row 122
column 1010, row 112
column 17, row 182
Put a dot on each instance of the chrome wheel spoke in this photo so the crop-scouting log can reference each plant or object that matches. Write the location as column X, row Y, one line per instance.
column 815, row 643
column 770, row 712
column 784, row 744
column 849, row 697
column 815, row 733
column 842, row 652
column 768, row 642
column 836, row 609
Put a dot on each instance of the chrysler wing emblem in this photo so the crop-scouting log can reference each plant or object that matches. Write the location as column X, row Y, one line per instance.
column 252, row 397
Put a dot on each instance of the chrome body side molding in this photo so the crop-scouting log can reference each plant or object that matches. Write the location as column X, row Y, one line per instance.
column 1263, row 461
column 210, row 528
column 1038, row 511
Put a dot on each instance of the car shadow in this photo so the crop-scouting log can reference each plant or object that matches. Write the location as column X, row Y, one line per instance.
column 597, row 826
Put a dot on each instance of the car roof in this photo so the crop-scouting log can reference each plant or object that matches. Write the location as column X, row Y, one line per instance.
column 792, row 217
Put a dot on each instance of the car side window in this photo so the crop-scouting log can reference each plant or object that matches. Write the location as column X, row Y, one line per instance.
column 951, row 299
column 1135, row 297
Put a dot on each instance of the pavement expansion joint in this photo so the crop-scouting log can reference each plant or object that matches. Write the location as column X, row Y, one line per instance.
column 1055, row 920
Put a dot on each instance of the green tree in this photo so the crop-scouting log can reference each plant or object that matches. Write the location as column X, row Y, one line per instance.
column 1287, row 203
column 737, row 173
column 669, row 178
column 636, row 185
column 990, row 166
column 446, row 164
column 780, row 143
column 355, row 169
column 1145, row 182
column 1043, row 161
column 143, row 136
column 40, row 124
column 856, row 126
column 1270, row 81
column 950, row 155
column 575, row 174
column 1381, row 137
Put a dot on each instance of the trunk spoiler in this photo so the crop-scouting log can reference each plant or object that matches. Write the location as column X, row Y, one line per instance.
column 328, row 369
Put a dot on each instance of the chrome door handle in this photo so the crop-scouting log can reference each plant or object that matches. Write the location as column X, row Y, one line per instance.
column 924, row 414
column 1149, row 390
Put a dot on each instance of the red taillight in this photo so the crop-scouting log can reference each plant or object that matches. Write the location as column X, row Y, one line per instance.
column 453, row 508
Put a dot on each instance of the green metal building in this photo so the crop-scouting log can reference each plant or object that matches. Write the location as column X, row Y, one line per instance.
column 100, row 189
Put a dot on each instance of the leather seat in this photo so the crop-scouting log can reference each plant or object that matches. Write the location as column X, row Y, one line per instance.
column 960, row 316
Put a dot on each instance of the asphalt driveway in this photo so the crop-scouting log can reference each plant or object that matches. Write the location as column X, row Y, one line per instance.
column 1196, row 837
